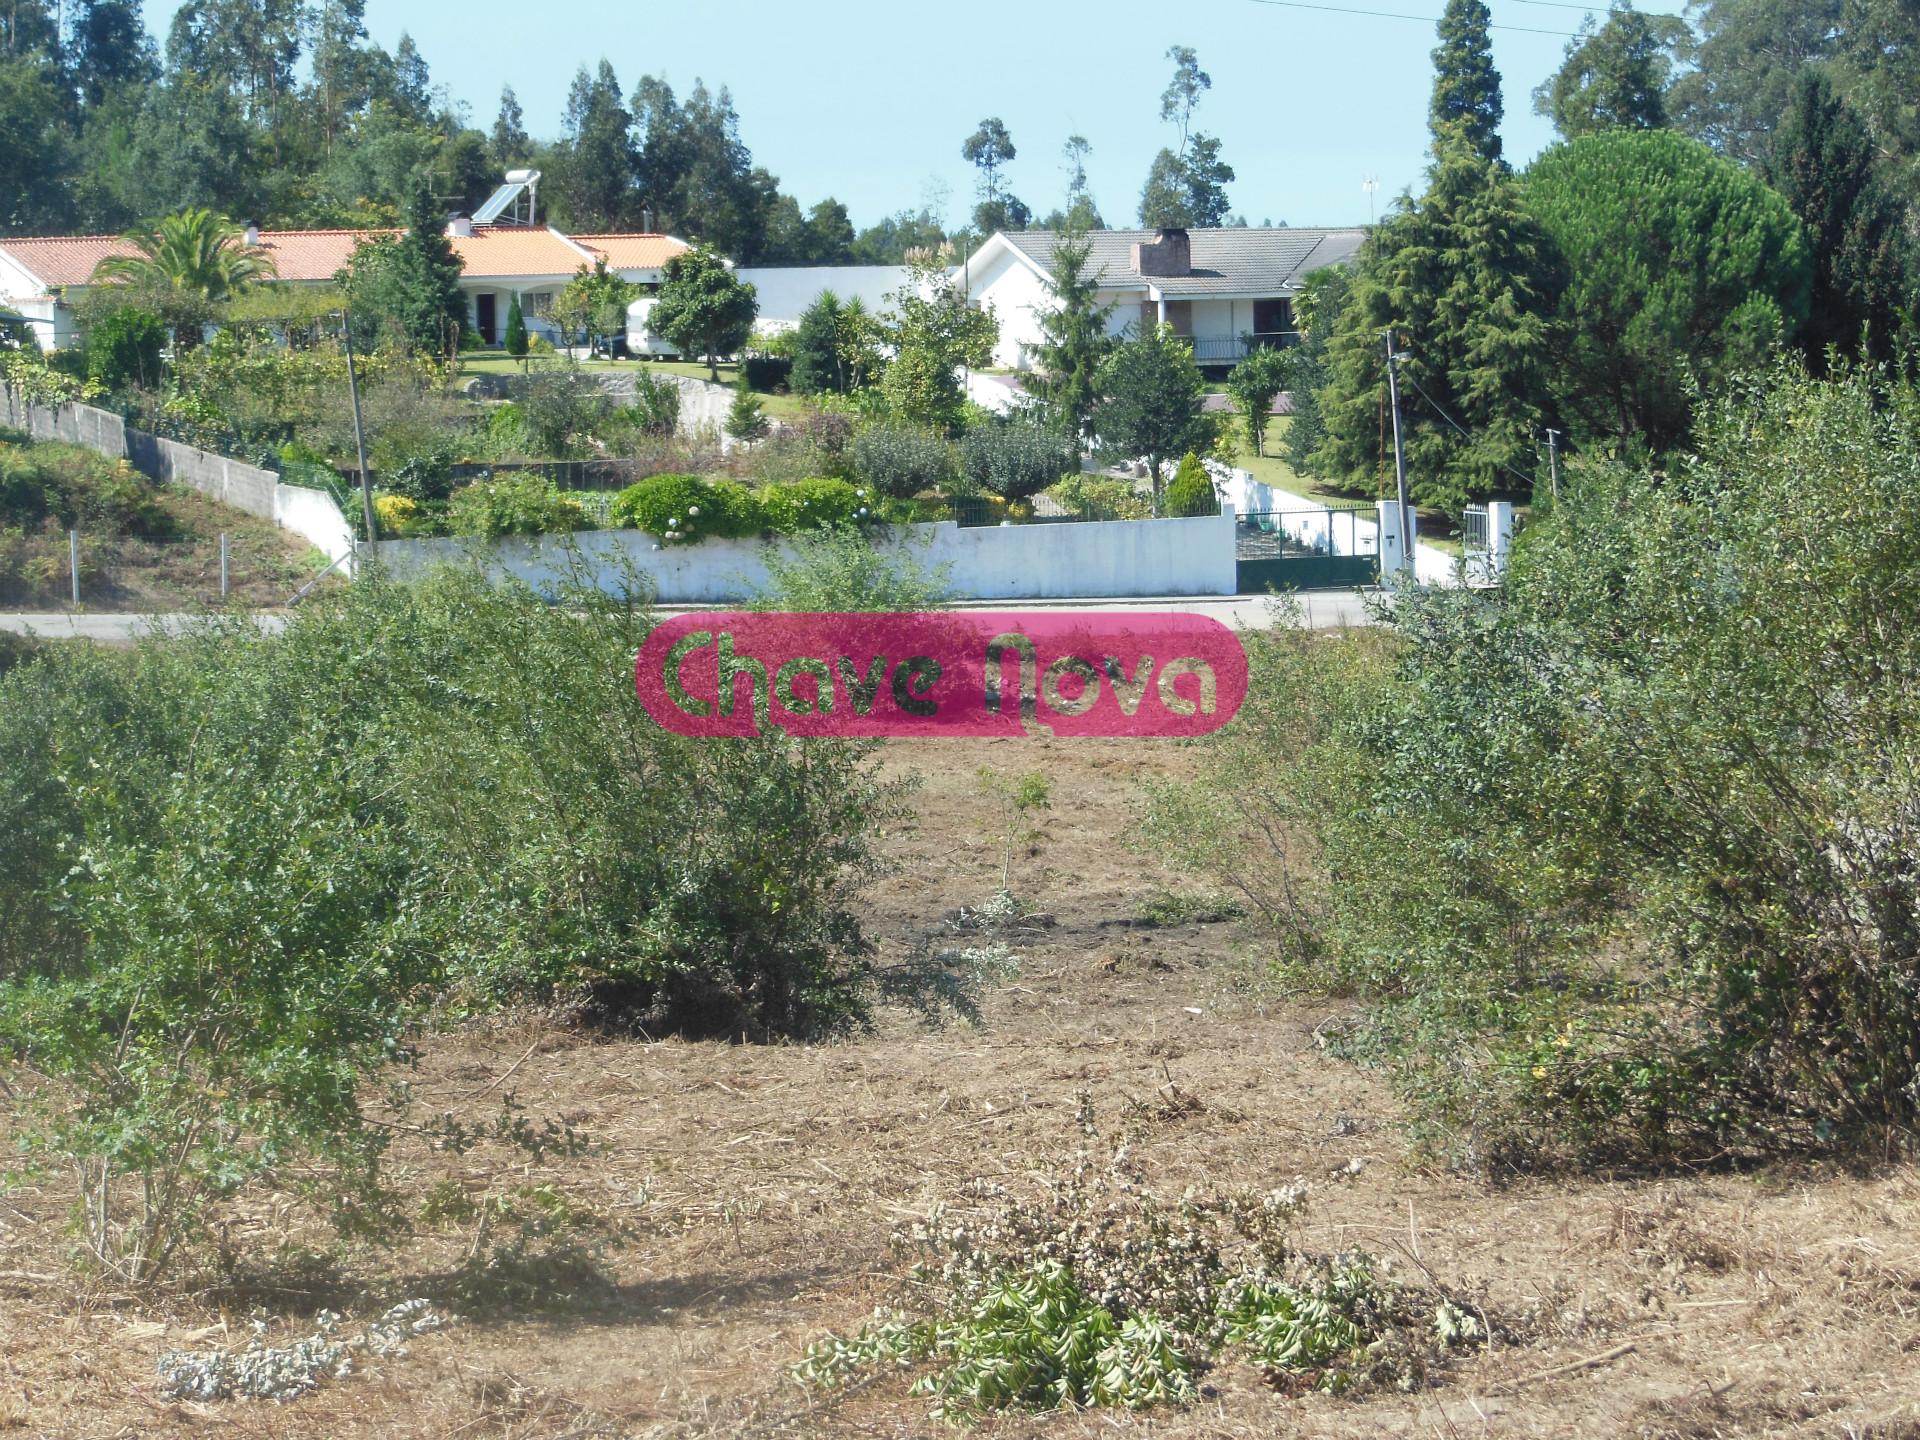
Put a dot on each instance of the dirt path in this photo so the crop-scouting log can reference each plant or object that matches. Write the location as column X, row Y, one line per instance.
column 738, row 1202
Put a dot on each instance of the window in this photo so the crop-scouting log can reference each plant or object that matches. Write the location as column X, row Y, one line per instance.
column 1272, row 317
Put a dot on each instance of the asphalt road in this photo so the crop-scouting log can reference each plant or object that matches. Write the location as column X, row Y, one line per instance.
column 1318, row 610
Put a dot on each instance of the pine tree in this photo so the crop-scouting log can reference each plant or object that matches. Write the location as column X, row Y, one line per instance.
column 817, row 364
column 1615, row 77
column 1823, row 162
column 1466, row 281
column 516, row 338
column 746, row 421
column 1466, row 88
column 1074, row 338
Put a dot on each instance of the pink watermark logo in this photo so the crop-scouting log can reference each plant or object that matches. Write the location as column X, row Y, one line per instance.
column 958, row 673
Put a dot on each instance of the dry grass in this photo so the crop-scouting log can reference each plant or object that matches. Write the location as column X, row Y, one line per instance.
column 738, row 1202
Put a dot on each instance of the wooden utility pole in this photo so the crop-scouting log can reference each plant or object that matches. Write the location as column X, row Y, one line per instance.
column 359, row 428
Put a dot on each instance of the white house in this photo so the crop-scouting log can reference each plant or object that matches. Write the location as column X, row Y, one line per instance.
column 42, row 277
column 1219, row 287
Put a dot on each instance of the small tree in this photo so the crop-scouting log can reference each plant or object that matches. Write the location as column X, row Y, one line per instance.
column 746, row 421
column 702, row 309
column 935, row 332
column 818, row 366
column 516, row 328
column 1191, row 492
column 1254, row 383
column 594, row 303
column 1074, row 338
column 1016, row 459
column 123, row 348
column 408, row 286
column 1151, row 393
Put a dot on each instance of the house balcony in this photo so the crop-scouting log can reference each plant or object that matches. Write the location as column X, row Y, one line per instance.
column 1232, row 349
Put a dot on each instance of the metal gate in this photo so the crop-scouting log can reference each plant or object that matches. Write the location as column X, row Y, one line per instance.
column 1318, row 549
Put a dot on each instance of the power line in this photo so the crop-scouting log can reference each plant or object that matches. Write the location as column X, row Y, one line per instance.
column 1464, row 432
column 1402, row 15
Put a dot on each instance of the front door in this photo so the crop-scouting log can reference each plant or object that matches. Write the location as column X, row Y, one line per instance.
column 484, row 316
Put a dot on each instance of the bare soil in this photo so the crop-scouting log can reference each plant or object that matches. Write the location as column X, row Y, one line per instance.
column 737, row 1203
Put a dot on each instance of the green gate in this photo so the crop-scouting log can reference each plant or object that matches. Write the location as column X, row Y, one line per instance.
column 1333, row 548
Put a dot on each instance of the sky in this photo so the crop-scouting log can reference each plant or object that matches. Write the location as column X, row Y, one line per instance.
column 869, row 100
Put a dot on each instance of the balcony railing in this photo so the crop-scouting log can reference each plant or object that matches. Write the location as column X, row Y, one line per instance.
column 1232, row 349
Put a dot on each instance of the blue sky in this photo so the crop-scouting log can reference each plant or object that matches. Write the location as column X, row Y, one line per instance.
column 869, row 100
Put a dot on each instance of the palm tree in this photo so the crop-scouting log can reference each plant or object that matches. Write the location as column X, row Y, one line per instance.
column 195, row 253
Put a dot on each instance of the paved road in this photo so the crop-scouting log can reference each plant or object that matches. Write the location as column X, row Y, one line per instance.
column 1319, row 610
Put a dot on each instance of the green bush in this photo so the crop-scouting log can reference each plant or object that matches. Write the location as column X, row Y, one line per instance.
column 769, row 374
column 1191, row 491
column 901, row 462
column 504, row 435
column 441, row 793
column 123, row 349
column 812, row 504
column 1016, row 460
column 1625, row 851
column 1103, row 495
column 688, row 508
column 80, row 489
column 519, row 504
column 516, row 334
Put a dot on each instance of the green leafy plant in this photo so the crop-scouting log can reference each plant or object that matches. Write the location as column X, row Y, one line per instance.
column 519, row 504
column 815, row 504
column 1016, row 460
column 123, row 348
column 746, row 419
column 685, row 509
column 1191, row 490
column 900, row 461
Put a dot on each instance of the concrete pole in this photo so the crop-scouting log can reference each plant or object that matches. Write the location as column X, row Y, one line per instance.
column 1399, row 457
column 1553, row 463
column 73, row 561
column 223, row 565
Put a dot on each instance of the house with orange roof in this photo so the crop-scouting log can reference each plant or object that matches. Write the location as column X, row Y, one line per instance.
column 42, row 277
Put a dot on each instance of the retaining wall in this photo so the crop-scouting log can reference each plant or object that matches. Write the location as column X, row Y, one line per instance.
column 310, row 514
column 1096, row 560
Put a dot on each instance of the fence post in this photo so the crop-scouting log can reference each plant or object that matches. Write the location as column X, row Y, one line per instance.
column 73, row 561
column 1499, row 537
column 1396, row 555
column 223, row 564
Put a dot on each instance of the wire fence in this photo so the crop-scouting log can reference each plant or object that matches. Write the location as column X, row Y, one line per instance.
column 71, row 570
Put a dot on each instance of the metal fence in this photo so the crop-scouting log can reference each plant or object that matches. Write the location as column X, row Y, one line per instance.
column 978, row 510
column 73, row 570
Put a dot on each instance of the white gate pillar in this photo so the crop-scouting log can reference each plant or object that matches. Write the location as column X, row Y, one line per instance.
column 1499, row 536
column 1396, row 556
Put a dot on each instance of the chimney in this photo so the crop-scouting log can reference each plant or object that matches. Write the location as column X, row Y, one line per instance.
column 1169, row 255
column 460, row 227
column 253, row 235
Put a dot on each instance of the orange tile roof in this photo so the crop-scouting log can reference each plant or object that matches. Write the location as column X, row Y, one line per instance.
column 505, row 250
column 634, row 252
column 497, row 252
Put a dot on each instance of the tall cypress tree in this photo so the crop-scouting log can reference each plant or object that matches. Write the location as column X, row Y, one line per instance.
column 1074, row 338
column 1823, row 163
column 1466, row 88
column 1466, row 281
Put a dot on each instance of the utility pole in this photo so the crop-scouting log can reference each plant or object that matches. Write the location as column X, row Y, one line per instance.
column 359, row 429
column 1553, row 463
column 1399, row 457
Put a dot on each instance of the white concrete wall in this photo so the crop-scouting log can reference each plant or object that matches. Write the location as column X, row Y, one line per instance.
column 1014, row 562
column 786, row 292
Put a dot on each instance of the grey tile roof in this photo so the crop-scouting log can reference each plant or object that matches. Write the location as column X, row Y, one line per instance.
column 1225, row 262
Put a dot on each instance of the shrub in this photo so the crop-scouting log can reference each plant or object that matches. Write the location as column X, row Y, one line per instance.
column 901, row 462
column 746, row 420
column 436, row 790
column 1191, row 491
column 1624, row 850
column 516, row 336
column 813, row 504
column 123, row 349
column 688, row 508
column 1107, row 496
column 1017, row 459
column 768, row 374
column 80, row 489
column 656, row 405
column 417, row 463
column 564, row 409
column 520, row 504
column 504, row 435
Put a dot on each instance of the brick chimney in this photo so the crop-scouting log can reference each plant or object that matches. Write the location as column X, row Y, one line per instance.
column 1169, row 255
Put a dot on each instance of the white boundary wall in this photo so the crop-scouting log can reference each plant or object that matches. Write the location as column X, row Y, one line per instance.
column 1096, row 560
column 310, row 514
column 1310, row 522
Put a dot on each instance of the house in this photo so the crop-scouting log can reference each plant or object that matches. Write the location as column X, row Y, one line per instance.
column 1226, row 289
column 43, row 277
